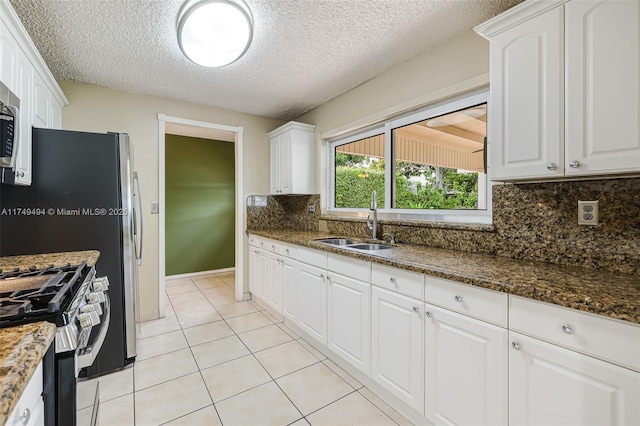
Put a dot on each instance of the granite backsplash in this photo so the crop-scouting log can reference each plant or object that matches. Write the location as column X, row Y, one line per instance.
column 536, row 221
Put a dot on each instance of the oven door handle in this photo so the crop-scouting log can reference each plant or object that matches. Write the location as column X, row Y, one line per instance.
column 87, row 358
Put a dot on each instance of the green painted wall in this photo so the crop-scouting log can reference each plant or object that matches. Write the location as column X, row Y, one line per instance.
column 200, row 204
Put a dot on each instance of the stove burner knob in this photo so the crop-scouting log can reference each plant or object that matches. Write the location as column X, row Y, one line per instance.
column 85, row 320
column 92, row 307
column 89, row 319
column 95, row 297
column 100, row 284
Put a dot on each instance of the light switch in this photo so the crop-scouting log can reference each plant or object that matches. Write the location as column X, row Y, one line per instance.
column 154, row 207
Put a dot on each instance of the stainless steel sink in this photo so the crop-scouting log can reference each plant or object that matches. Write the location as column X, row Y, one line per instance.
column 370, row 247
column 336, row 241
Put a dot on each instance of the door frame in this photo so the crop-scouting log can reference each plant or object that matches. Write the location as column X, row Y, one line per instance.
column 237, row 133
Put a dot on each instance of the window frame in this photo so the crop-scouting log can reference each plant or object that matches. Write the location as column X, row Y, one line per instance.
column 387, row 212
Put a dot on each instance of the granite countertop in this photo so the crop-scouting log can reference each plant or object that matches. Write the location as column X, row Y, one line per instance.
column 21, row 350
column 43, row 260
column 609, row 294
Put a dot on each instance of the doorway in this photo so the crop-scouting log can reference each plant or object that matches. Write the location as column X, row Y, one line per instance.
column 203, row 130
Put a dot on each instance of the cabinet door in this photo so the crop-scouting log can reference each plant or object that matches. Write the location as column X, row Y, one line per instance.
column 551, row 385
column 25, row 88
column 289, row 289
column 525, row 126
column 262, row 275
column 603, row 102
column 9, row 57
column 253, row 271
column 274, row 282
column 275, row 170
column 465, row 370
column 312, row 302
column 285, row 163
column 350, row 321
column 56, row 115
column 41, row 102
column 397, row 346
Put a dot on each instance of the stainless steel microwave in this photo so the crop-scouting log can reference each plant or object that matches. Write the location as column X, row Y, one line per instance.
column 8, row 135
column 9, row 130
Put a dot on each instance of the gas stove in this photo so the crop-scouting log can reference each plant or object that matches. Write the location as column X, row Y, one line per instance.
column 39, row 293
column 69, row 296
column 72, row 297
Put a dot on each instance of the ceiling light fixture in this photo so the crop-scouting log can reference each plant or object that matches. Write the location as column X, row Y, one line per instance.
column 214, row 33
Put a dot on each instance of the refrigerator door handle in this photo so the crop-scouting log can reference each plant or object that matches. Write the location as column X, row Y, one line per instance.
column 138, row 247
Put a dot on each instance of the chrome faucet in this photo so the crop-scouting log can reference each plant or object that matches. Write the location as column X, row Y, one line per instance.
column 392, row 238
column 373, row 224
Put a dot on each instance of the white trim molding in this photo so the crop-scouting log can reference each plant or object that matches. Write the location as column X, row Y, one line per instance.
column 199, row 274
column 233, row 133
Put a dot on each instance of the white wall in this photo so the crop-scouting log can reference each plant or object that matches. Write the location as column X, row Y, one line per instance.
column 428, row 75
column 99, row 109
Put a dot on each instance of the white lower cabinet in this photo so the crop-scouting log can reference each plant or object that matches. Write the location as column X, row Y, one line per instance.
column 262, row 276
column 290, row 289
column 29, row 409
column 552, row 385
column 465, row 370
column 312, row 301
column 258, row 269
column 274, row 282
column 453, row 360
column 397, row 346
column 253, row 270
column 272, row 276
column 349, row 320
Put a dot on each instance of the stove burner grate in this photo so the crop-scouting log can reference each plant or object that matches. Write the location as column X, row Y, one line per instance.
column 39, row 292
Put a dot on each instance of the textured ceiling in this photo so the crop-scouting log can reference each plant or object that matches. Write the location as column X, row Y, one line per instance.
column 304, row 52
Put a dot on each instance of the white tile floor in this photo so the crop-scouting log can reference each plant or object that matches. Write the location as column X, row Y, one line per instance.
column 215, row 361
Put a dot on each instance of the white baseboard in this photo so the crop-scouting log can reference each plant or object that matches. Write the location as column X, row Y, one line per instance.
column 197, row 274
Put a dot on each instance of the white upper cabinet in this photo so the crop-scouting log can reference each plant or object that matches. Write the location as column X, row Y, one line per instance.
column 9, row 57
column 564, row 90
column 25, row 73
column 602, row 95
column 525, row 132
column 291, row 150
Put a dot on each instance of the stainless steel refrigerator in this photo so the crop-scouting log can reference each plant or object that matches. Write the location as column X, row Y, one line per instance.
column 84, row 196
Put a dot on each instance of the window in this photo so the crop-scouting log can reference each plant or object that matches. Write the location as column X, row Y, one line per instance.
column 431, row 162
column 359, row 169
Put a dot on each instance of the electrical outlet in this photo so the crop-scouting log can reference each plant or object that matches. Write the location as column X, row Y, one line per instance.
column 588, row 213
column 312, row 208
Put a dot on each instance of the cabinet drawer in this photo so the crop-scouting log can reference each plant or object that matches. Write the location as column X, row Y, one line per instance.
column 480, row 303
column 253, row 240
column 31, row 398
column 288, row 250
column 259, row 242
column 312, row 257
column 610, row 340
column 398, row 280
column 256, row 241
column 273, row 246
column 349, row 267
